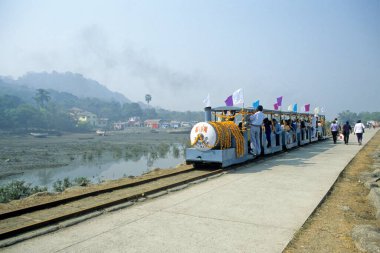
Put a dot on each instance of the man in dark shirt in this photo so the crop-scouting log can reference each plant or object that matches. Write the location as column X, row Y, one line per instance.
column 347, row 129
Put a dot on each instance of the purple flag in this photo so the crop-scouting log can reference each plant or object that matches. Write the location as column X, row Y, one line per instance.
column 279, row 101
column 229, row 101
column 307, row 107
column 275, row 106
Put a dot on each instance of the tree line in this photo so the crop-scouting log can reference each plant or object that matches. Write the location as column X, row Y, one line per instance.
column 51, row 111
column 353, row 117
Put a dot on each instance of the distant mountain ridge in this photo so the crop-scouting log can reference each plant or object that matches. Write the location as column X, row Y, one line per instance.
column 73, row 83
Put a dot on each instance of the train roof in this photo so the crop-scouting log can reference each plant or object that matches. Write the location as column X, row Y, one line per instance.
column 226, row 108
column 265, row 111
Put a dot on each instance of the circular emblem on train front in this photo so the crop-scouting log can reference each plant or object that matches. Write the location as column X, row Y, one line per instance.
column 203, row 136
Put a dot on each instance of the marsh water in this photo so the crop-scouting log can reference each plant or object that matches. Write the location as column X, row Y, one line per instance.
column 97, row 170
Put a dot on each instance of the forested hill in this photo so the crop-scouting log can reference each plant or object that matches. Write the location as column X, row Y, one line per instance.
column 26, row 105
column 68, row 82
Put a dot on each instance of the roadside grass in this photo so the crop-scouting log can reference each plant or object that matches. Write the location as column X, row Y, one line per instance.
column 17, row 190
column 61, row 185
column 20, row 189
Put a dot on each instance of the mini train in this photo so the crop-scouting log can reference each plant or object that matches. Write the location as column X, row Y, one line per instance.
column 224, row 137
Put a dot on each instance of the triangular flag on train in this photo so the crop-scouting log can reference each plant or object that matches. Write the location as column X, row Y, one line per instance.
column 229, row 101
column 256, row 104
column 238, row 97
column 207, row 101
column 279, row 101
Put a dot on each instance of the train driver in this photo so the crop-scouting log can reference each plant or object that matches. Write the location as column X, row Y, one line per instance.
column 256, row 121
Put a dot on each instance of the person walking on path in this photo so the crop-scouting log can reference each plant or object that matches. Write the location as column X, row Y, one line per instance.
column 359, row 131
column 347, row 129
column 334, row 130
column 256, row 121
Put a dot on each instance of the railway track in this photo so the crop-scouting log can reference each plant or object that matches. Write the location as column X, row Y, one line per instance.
column 16, row 222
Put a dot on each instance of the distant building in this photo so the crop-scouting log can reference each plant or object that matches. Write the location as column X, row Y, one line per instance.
column 118, row 126
column 153, row 123
column 102, row 123
column 185, row 124
column 175, row 124
column 165, row 125
column 134, row 122
column 84, row 117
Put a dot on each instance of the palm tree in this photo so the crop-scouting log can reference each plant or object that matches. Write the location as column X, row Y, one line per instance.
column 148, row 98
column 42, row 97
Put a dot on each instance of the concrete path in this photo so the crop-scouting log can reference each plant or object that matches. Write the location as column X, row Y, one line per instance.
column 257, row 208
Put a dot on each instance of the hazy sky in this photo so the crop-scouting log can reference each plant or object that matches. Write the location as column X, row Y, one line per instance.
column 326, row 53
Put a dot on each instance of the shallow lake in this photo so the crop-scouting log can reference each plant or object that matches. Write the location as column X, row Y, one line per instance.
column 101, row 169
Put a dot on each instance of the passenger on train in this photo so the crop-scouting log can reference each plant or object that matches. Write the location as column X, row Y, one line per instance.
column 288, row 130
column 322, row 122
column 224, row 115
column 256, row 121
column 307, row 124
column 319, row 128
column 277, row 130
column 313, row 126
column 293, row 125
column 268, row 131
column 231, row 115
column 303, row 128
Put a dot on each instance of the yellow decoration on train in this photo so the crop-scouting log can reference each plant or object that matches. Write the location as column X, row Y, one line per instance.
column 239, row 139
column 225, row 130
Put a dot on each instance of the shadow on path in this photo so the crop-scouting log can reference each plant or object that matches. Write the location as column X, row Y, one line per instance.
column 297, row 157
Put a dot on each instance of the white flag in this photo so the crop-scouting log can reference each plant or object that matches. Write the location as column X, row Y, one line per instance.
column 207, row 101
column 316, row 110
column 237, row 97
column 290, row 108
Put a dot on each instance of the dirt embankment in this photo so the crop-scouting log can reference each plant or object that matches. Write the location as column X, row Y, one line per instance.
column 330, row 228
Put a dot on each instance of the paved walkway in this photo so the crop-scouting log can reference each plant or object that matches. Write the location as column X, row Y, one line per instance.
column 255, row 209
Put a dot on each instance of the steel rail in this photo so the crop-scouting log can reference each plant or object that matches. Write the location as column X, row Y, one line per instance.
column 53, row 203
